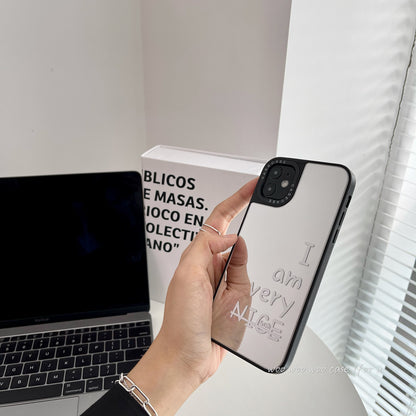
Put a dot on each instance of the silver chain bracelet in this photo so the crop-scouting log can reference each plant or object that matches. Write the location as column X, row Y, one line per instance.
column 135, row 391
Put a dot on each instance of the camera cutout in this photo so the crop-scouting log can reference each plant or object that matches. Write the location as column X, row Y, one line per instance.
column 279, row 181
column 278, row 186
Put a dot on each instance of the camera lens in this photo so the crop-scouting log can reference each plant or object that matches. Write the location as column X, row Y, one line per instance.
column 269, row 189
column 275, row 172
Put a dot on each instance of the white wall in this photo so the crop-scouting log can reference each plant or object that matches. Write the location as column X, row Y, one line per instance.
column 71, row 86
column 345, row 69
column 214, row 72
column 71, row 80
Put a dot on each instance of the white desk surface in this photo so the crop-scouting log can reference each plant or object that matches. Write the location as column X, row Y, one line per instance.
column 313, row 385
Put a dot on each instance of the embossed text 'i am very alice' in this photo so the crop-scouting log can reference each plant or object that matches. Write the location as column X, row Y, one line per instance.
column 262, row 323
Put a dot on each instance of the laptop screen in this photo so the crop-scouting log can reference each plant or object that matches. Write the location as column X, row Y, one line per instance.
column 71, row 246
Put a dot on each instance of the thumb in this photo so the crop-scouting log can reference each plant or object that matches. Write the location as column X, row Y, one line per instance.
column 237, row 267
column 220, row 243
column 206, row 245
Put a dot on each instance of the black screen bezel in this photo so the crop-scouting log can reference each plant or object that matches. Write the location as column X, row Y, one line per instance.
column 113, row 309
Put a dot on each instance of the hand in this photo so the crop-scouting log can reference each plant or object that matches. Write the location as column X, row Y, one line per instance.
column 183, row 356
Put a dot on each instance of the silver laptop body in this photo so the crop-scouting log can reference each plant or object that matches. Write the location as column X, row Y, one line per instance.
column 74, row 299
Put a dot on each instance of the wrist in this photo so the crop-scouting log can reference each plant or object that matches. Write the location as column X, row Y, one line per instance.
column 164, row 378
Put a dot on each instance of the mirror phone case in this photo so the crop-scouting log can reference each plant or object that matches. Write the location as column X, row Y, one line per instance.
column 272, row 275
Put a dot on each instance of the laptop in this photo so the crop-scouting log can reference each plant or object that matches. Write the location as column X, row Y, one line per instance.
column 74, row 296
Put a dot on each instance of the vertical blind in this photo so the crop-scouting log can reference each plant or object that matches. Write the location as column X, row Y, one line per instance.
column 381, row 348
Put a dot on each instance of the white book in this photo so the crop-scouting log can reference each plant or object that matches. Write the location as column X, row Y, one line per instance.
column 181, row 187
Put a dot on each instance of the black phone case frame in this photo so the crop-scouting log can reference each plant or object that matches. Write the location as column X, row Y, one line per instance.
column 259, row 198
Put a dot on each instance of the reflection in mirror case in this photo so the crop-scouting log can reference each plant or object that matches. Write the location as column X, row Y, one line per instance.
column 267, row 289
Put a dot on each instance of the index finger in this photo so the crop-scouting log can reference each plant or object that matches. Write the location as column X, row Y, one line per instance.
column 224, row 212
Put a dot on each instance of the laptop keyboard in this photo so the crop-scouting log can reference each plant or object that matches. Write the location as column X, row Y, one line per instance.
column 74, row 361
